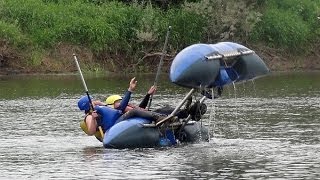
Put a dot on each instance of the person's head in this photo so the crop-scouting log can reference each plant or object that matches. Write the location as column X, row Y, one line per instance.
column 113, row 101
column 84, row 103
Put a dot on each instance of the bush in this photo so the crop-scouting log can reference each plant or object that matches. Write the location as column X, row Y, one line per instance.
column 110, row 29
column 126, row 32
column 289, row 23
column 283, row 28
column 226, row 20
column 187, row 28
column 12, row 34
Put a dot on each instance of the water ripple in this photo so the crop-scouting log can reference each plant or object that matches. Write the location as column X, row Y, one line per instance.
column 268, row 134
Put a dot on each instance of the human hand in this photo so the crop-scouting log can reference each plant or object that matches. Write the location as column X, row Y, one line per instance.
column 132, row 85
column 94, row 114
column 152, row 90
column 98, row 103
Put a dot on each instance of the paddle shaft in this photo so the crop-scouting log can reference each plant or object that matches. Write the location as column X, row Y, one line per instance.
column 83, row 81
column 160, row 63
column 85, row 88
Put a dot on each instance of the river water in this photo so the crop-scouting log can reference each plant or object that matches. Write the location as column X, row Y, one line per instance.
column 263, row 129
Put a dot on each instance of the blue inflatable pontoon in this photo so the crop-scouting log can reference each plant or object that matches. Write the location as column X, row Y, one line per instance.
column 199, row 66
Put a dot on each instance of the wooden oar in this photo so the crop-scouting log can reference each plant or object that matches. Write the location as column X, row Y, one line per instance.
column 164, row 50
column 86, row 89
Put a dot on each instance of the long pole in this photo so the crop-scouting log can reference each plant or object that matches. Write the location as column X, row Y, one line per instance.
column 86, row 89
column 164, row 50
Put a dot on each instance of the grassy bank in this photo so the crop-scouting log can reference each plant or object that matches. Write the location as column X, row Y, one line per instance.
column 42, row 35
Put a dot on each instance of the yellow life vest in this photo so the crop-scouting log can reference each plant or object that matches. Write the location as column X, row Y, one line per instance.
column 84, row 128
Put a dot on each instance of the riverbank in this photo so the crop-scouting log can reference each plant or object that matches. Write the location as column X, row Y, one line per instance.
column 40, row 36
column 281, row 60
column 60, row 60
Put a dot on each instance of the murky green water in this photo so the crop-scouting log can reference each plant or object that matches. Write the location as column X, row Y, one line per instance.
column 262, row 130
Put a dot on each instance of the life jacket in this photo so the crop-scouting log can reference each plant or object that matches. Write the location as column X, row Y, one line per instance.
column 84, row 128
column 108, row 117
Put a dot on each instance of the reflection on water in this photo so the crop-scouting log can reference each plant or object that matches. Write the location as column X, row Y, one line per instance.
column 270, row 132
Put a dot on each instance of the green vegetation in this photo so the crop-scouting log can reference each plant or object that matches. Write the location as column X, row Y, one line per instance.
column 12, row 35
column 120, row 33
column 291, row 24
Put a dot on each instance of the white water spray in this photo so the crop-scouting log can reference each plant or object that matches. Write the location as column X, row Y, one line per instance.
column 212, row 116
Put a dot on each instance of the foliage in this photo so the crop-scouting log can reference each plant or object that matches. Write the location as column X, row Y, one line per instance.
column 49, row 24
column 12, row 34
column 109, row 25
column 226, row 20
column 188, row 28
column 283, row 28
column 121, row 32
column 289, row 23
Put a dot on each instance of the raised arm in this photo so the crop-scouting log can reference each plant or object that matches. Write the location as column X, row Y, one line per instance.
column 124, row 102
column 146, row 98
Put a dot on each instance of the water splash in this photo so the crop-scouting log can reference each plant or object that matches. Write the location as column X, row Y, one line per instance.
column 212, row 116
column 236, row 105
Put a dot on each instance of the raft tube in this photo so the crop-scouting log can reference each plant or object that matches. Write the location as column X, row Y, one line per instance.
column 193, row 68
column 132, row 133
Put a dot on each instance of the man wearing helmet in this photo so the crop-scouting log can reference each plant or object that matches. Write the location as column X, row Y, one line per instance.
column 131, row 110
column 92, row 119
column 122, row 110
column 114, row 101
column 89, row 125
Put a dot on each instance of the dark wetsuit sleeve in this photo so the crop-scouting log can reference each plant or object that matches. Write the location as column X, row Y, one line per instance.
column 125, row 100
column 145, row 101
column 152, row 116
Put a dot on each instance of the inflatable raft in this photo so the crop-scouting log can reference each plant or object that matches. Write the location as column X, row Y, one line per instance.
column 201, row 66
column 139, row 133
column 214, row 65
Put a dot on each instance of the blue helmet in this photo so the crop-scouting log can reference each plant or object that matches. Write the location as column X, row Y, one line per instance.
column 84, row 103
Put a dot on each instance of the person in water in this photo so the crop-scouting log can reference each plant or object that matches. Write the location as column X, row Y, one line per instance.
column 114, row 101
column 130, row 111
column 94, row 119
column 141, row 111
